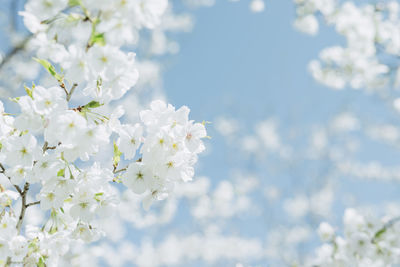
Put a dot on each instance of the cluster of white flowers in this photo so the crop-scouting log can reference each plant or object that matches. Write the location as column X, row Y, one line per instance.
column 169, row 150
column 77, row 196
column 84, row 38
column 366, row 242
column 370, row 30
column 209, row 243
column 47, row 151
column 306, row 20
column 72, row 29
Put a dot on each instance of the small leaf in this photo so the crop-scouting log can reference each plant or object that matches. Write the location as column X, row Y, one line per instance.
column 15, row 99
column 61, row 172
column 380, row 233
column 117, row 155
column 50, row 68
column 41, row 262
column 53, row 230
column 97, row 38
column 68, row 200
column 29, row 91
column 97, row 196
column 93, row 104
column 74, row 2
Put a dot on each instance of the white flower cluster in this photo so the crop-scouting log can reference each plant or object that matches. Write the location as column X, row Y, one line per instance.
column 47, row 151
column 77, row 196
column 207, row 244
column 168, row 151
column 84, row 37
column 372, row 42
column 306, row 20
column 366, row 242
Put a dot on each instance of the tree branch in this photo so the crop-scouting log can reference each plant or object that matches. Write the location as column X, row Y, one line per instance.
column 23, row 207
column 69, row 95
column 33, row 203
column 22, row 214
column 47, row 147
column 120, row 170
column 3, row 171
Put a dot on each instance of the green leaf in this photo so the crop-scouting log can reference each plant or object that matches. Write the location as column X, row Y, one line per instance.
column 15, row 99
column 117, row 155
column 50, row 68
column 41, row 262
column 29, row 91
column 97, row 196
column 61, row 172
column 74, row 2
column 93, row 104
column 53, row 230
column 97, row 38
column 23, row 133
column 380, row 233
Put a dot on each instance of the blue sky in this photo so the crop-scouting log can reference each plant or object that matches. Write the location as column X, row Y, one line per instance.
column 253, row 66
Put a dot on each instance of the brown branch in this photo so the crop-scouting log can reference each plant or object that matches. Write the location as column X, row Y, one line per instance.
column 23, row 207
column 120, row 170
column 21, row 217
column 15, row 186
column 62, row 85
column 33, row 203
column 3, row 171
column 47, row 147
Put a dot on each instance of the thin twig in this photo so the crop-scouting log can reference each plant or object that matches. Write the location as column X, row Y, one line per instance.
column 71, row 91
column 62, row 85
column 120, row 170
column 21, row 215
column 19, row 190
column 47, row 147
column 23, row 207
column 3, row 171
column 33, row 203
